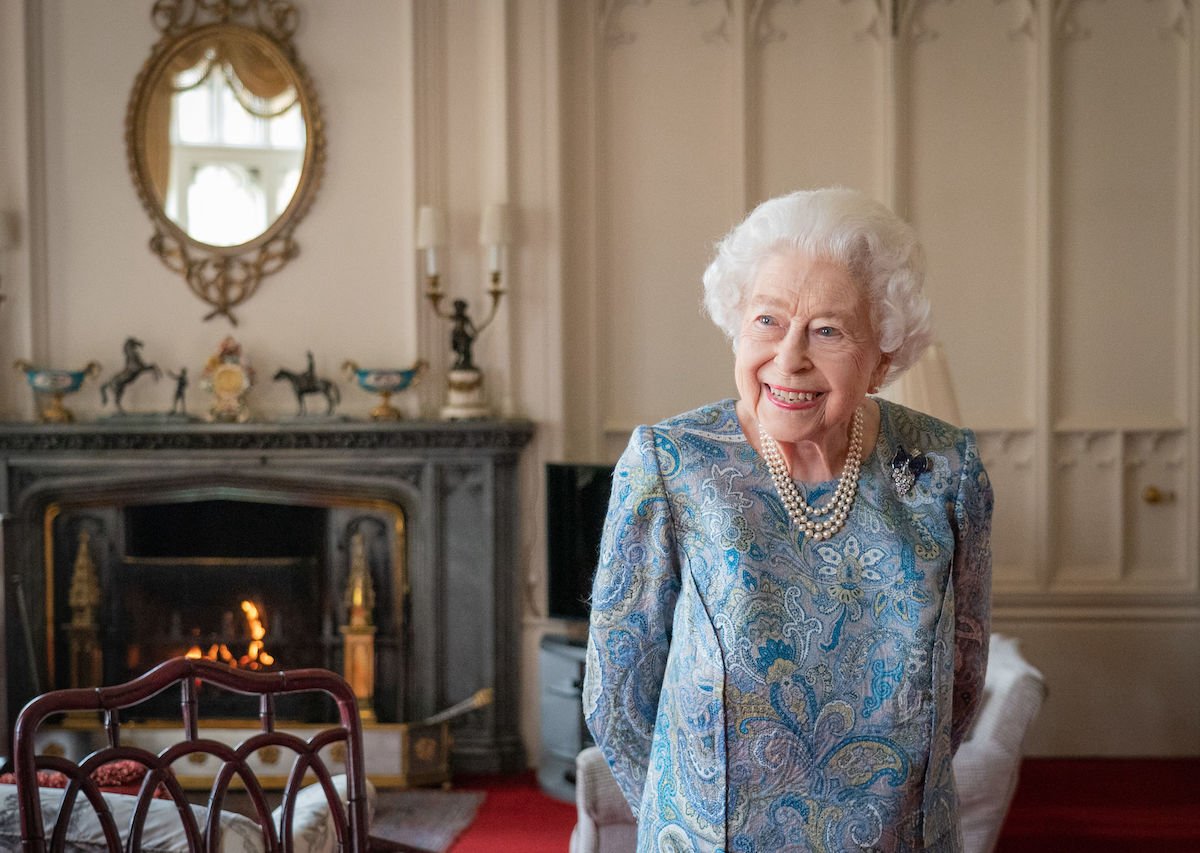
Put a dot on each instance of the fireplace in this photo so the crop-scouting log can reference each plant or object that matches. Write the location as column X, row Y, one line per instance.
column 383, row 551
column 261, row 582
column 241, row 582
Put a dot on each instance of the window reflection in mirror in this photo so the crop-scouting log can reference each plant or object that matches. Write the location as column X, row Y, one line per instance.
column 236, row 146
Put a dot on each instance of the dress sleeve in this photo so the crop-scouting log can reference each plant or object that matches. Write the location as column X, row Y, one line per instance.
column 632, row 608
column 972, row 579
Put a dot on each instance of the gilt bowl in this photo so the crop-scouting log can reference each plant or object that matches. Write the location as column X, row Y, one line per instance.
column 51, row 384
column 385, row 382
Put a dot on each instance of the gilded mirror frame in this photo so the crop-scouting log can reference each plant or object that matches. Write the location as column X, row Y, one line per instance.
column 224, row 276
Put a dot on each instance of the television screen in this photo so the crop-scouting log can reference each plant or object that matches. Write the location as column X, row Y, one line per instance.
column 576, row 503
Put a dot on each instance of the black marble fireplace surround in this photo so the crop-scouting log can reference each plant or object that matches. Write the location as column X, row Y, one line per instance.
column 436, row 503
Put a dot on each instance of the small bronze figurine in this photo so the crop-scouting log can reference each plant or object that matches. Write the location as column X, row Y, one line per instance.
column 134, row 367
column 178, row 404
column 307, row 383
column 462, row 336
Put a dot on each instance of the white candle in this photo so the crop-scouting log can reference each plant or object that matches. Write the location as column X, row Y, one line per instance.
column 494, row 233
column 431, row 233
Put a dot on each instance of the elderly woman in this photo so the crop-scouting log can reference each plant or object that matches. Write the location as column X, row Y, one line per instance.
column 790, row 616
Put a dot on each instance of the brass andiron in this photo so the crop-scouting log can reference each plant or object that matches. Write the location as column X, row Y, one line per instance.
column 84, row 600
column 358, row 663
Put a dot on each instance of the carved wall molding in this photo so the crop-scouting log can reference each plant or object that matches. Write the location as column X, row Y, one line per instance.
column 1027, row 17
column 1100, row 449
column 1179, row 19
column 719, row 32
column 614, row 35
column 909, row 22
column 1010, row 448
column 760, row 24
column 1142, row 448
column 1066, row 25
column 609, row 21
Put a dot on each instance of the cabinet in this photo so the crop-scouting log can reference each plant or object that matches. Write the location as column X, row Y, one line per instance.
column 564, row 734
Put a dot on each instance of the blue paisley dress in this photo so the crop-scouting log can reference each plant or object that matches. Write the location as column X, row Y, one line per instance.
column 756, row 693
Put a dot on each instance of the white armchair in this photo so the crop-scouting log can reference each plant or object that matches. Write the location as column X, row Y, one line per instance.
column 986, row 765
column 988, row 762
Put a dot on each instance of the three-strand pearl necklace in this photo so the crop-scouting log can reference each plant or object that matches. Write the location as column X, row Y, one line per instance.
column 808, row 518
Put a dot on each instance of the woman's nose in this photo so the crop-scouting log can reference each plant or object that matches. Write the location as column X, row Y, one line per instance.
column 791, row 355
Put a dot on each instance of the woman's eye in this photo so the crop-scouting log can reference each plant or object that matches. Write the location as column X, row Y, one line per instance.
column 764, row 320
column 826, row 331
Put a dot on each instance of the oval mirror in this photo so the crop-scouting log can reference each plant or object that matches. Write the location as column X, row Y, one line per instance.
column 225, row 145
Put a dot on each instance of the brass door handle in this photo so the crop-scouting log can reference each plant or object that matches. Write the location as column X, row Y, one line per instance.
column 1155, row 495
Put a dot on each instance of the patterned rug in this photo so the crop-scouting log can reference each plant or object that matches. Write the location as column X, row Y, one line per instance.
column 422, row 821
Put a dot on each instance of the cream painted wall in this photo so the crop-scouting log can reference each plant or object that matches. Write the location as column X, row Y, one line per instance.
column 628, row 137
column 14, row 191
column 349, row 294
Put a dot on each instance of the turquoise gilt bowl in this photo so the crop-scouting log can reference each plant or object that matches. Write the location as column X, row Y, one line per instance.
column 52, row 384
column 385, row 382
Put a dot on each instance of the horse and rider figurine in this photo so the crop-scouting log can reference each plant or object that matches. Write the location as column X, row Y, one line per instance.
column 134, row 367
column 307, row 383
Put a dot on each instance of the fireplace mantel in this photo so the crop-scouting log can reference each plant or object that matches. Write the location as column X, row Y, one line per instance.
column 315, row 434
column 455, row 484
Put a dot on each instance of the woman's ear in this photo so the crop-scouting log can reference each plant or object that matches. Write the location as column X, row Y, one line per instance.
column 880, row 372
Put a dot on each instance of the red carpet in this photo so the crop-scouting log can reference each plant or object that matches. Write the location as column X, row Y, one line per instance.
column 1062, row 805
column 516, row 817
column 1121, row 804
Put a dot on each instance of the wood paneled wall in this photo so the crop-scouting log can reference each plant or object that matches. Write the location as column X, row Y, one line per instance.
column 1046, row 153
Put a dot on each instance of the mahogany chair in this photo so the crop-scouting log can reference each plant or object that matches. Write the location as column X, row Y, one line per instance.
column 349, row 819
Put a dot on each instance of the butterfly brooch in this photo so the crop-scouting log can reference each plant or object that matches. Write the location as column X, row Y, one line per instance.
column 906, row 467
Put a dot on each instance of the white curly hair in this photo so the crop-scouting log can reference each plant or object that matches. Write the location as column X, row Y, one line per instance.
column 843, row 226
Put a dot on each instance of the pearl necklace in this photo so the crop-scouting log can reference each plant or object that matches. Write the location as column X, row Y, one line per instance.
column 807, row 517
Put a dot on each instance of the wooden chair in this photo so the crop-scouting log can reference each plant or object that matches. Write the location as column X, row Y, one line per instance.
column 349, row 820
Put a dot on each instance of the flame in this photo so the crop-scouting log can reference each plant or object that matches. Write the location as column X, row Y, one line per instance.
column 256, row 657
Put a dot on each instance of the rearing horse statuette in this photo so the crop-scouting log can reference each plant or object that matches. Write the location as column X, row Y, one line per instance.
column 134, row 367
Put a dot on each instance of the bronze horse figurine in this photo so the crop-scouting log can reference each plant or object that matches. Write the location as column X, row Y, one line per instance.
column 307, row 383
column 134, row 367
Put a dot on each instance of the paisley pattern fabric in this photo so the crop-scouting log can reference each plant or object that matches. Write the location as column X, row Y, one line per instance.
column 756, row 693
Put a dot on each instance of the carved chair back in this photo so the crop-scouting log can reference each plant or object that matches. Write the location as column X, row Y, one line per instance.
column 349, row 819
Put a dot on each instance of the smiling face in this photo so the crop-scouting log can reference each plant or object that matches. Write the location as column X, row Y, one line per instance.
column 807, row 353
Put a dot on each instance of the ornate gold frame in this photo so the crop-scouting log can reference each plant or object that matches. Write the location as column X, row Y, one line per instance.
column 224, row 276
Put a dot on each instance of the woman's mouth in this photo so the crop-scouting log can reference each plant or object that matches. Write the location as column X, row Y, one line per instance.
column 790, row 396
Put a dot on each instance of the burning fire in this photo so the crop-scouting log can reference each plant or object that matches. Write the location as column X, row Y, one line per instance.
column 254, row 658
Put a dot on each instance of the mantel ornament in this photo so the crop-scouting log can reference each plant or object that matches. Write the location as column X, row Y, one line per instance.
column 228, row 375
column 225, row 144
column 50, row 385
column 305, row 382
column 385, row 382
column 134, row 367
column 465, row 396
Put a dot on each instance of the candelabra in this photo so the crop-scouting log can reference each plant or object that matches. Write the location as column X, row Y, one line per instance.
column 465, row 397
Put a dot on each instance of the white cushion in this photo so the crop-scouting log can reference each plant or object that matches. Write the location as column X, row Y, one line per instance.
column 988, row 762
column 312, row 826
column 163, row 832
